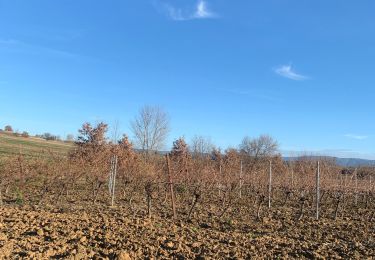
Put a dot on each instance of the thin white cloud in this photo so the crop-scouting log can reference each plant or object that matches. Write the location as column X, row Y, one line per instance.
column 287, row 71
column 20, row 46
column 200, row 11
column 14, row 45
column 175, row 14
column 357, row 137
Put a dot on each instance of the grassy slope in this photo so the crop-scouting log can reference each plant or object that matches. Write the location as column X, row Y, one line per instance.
column 11, row 144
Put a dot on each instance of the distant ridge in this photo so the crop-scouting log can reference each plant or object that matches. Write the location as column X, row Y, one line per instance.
column 345, row 162
column 353, row 162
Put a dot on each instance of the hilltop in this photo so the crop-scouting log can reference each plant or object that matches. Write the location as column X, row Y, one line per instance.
column 13, row 144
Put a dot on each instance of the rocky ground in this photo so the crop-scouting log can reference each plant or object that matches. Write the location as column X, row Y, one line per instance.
column 29, row 232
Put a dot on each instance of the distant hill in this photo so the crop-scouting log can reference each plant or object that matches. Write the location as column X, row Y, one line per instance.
column 345, row 162
column 353, row 162
column 12, row 144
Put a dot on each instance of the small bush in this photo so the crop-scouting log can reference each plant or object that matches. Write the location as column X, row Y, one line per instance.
column 8, row 128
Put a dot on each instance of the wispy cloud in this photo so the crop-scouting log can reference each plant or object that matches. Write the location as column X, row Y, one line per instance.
column 254, row 94
column 287, row 71
column 357, row 137
column 200, row 11
column 173, row 13
column 24, row 47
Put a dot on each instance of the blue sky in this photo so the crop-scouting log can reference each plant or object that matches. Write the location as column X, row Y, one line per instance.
column 301, row 71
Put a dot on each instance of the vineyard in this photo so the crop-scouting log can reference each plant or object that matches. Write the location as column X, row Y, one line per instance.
column 104, row 200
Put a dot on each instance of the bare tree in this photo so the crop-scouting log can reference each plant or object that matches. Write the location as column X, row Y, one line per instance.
column 201, row 146
column 115, row 131
column 256, row 150
column 262, row 146
column 150, row 128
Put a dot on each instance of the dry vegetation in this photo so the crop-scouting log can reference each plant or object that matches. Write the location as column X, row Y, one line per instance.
column 188, row 204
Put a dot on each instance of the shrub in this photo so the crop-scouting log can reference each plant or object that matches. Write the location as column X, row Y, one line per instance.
column 50, row 137
column 8, row 128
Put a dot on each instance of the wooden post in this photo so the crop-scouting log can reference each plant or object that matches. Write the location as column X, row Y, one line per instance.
column 241, row 180
column 292, row 179
column 220, row 178
column 356, row 186
column 341, row 181
column 171, row 186
column 148, row 205
column 186, row 168
column 317, row 190
column 370, row 188
column 270, row 185
column 114, row 180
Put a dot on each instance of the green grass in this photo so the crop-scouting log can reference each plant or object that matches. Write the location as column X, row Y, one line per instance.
column 11, row 144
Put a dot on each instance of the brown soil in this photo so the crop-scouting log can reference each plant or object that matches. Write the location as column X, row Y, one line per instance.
column 102, row 232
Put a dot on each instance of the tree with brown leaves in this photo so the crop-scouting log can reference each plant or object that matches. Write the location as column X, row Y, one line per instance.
column 93, row 153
